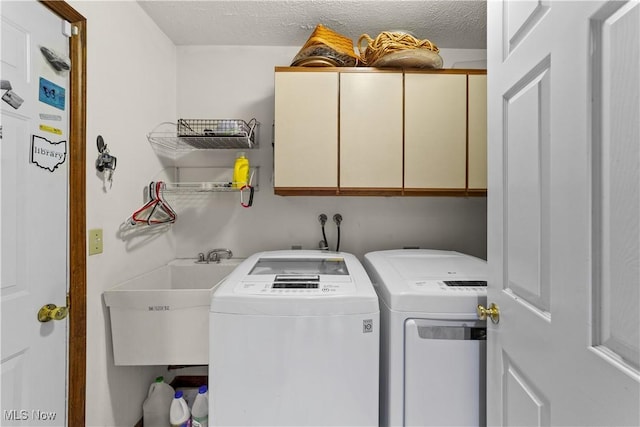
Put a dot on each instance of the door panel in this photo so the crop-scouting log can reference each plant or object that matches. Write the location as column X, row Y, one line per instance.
column 526, row 405
column 34, row 204
column 526, row 210
column 616, row 198
column 521, row 17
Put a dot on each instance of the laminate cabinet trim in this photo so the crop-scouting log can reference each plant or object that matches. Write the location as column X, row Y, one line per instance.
column 304, row 191
column 466, row 71
column 379, row 192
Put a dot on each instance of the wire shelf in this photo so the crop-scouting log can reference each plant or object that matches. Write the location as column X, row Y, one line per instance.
column 206, row 134
column 211, row 186
column 199, row 187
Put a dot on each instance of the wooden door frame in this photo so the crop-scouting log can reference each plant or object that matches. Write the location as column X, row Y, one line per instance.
column 77, row 213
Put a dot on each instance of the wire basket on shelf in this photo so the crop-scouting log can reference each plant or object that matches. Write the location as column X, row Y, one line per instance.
column 216, row 133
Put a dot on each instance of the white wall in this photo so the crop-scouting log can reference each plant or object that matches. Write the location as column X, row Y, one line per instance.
column 138, row 79
column 237, row 82
column 131, row 75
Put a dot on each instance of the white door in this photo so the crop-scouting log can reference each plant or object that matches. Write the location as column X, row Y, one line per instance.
column 564, row 213
column 33, row 190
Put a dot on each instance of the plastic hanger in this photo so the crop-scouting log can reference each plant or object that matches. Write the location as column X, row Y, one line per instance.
column 156, row 210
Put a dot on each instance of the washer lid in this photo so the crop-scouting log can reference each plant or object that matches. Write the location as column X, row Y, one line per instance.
column 428, row 281
column 290, row 283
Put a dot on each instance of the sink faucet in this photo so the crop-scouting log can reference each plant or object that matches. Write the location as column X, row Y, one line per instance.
column 214, row 254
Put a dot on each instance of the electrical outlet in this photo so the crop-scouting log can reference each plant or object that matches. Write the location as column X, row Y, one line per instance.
column 95, row 241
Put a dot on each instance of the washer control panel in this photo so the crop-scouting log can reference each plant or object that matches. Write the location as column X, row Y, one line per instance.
column 450, row 286
column 301, row 276
column 296, row 285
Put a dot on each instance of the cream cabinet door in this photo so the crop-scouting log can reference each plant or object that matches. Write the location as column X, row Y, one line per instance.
column 371, row 130
column 477, row 150
column 435, row 131
column 306, row 130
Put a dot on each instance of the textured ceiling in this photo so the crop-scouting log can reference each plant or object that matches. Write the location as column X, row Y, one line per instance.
column 446, row 23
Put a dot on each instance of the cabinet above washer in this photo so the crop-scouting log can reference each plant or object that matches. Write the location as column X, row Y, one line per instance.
column 364, row 131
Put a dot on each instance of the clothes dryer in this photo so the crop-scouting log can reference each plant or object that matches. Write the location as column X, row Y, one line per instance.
column 432, row 354
column 294, row 341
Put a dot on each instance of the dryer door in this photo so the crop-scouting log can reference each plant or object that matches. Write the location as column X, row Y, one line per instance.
column 444, row 377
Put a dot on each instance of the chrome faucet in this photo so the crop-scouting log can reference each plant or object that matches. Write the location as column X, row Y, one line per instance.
column 214, row 255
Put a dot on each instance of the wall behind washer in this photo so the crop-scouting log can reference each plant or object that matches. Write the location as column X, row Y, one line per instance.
column 237, row 82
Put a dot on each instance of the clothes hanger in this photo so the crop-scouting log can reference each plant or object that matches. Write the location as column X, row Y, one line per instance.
column 156, row 210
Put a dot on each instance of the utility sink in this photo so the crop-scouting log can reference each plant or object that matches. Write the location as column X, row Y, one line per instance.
column 162, row 317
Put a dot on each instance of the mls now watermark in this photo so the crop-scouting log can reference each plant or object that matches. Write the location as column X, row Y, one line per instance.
column 26, row 415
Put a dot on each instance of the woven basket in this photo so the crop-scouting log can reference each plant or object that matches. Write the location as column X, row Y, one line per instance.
column 328, row 37
column 387, row 43
column 330, row 43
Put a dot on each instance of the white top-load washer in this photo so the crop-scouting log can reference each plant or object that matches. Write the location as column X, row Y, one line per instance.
column 432, row 353
column 294, row 341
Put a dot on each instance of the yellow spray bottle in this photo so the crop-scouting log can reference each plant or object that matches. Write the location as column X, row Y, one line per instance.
column 241, row 170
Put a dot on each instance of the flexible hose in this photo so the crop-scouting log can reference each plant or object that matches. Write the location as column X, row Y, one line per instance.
column 324, row 237
column 337, row 218
column 323, row 220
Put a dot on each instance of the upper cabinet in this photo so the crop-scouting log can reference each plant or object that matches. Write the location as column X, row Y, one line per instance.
column 306, row 131
column 362, row 131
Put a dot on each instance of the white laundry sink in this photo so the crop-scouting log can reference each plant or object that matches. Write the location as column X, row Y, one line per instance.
column 162, row 317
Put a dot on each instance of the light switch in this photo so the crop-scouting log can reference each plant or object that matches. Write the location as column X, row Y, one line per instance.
column 95, row 241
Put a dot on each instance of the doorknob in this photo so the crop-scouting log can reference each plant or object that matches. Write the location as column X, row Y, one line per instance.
column 50, row 312
column 493, row 312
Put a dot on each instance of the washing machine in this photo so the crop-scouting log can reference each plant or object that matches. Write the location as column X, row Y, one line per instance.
column 433, row 347
column 294, row 341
